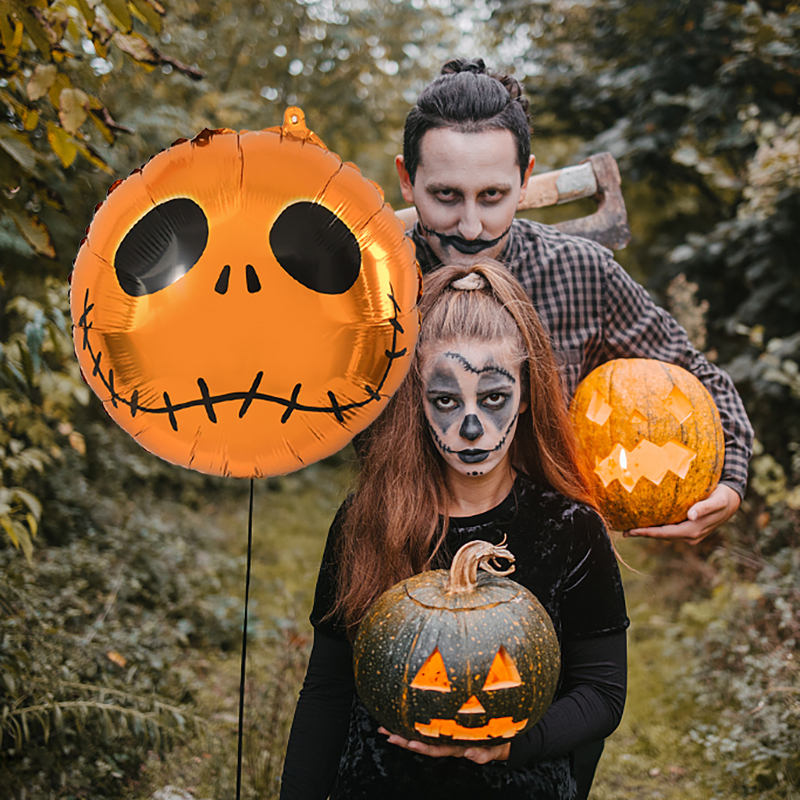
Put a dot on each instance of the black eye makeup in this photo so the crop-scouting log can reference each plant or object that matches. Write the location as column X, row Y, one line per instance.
column 495, row 401
column 444, row 402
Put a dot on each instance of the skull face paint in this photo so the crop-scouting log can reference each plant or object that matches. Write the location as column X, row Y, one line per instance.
column 471, row 396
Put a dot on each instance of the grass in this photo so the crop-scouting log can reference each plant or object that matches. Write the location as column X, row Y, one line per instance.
column 290, row 523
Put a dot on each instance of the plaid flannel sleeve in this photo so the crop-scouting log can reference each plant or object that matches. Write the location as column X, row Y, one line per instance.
column 635, row 327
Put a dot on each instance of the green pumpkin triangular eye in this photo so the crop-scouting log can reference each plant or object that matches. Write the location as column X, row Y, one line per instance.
column 503, row 674
column 432, row 675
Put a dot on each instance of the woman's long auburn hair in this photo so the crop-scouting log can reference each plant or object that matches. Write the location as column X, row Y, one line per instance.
column 397, row 518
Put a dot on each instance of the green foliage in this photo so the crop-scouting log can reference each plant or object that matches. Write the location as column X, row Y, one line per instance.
column 663, row 86
column 39, row 384
column 93, row 637
column 745, row 639
column 353, row 67
column 698, row 102
column 51, row 60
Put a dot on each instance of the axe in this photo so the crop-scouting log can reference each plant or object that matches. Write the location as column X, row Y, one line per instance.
column 596, row 177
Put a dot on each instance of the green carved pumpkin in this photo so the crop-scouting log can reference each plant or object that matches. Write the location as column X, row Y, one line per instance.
column 456, row 656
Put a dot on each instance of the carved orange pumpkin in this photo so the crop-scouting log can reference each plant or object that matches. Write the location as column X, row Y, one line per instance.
column 245, row 303
column 650, row 441
column 456, row 656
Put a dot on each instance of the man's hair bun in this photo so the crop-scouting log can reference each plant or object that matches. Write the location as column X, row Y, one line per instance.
column 477, row 66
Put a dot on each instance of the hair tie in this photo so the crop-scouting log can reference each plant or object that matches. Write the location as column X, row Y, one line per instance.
column 469, row 283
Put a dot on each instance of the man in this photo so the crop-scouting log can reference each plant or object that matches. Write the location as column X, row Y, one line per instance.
column 465, row 165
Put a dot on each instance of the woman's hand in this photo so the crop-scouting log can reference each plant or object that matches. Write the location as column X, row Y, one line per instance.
column 480, row 755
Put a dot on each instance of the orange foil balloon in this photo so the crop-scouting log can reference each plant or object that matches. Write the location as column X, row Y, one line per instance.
column 245, row 303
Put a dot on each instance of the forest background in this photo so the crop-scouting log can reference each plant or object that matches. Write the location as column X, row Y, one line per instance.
column 120, row 575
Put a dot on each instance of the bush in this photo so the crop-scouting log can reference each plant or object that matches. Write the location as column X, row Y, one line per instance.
column 744, row 638
column 93, row 638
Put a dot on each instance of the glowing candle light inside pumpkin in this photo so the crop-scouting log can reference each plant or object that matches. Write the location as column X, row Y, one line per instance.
column 623, row 461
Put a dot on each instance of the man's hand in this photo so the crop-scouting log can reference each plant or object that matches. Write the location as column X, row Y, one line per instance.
column 480, row 755
column 703, row 518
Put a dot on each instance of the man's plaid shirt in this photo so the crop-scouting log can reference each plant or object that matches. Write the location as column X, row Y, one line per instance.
column 596, row 312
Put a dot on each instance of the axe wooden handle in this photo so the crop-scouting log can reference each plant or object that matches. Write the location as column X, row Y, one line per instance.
column 560, row 186
column 597, row 177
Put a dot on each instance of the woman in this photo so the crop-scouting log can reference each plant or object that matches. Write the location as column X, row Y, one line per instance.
column 476, row 444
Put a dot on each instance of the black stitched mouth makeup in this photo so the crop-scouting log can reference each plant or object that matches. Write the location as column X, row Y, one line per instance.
column 469, row 453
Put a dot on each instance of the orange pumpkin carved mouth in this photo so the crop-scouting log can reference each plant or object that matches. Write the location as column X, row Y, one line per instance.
column 646, row 460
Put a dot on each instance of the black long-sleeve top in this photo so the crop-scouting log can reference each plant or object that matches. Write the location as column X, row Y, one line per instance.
column 564, row 557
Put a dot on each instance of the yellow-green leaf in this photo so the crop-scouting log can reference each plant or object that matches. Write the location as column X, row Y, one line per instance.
column 62, row 82
column 151, row 12
column 31, row 500
column 18, row 147
column 34, row 28
column 30, row 119
column 101, row 126
column 62, row 143
column 5, row 521
column 93, row 158
column 43, row 78
column 33, row 525
column 12, row 36
column 34, row 231
column 73, row 108
column 6, row 31
column 12, row 102
column 88, row 12
column 19, row 536
column 119, row 10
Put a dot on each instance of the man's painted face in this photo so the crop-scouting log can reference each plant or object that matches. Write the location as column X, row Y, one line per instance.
column 466, row 190
column 471, row 395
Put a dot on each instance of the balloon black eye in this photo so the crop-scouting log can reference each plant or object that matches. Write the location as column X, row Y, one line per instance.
column 316, row 248
column 161, row 247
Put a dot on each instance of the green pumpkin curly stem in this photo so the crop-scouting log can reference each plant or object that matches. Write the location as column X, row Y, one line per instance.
column 464, row 569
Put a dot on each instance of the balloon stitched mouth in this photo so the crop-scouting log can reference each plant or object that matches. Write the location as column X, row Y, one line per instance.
column 209, row 401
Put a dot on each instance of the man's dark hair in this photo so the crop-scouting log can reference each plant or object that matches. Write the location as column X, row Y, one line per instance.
column 468, row 99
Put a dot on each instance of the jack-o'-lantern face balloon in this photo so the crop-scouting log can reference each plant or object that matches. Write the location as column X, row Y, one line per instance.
column 650, row 441
column 457, row 657
column 245, row 303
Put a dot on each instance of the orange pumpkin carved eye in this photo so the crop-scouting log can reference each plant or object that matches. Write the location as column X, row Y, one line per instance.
column 432, row 674
column 503, row 674
column 679, row 405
